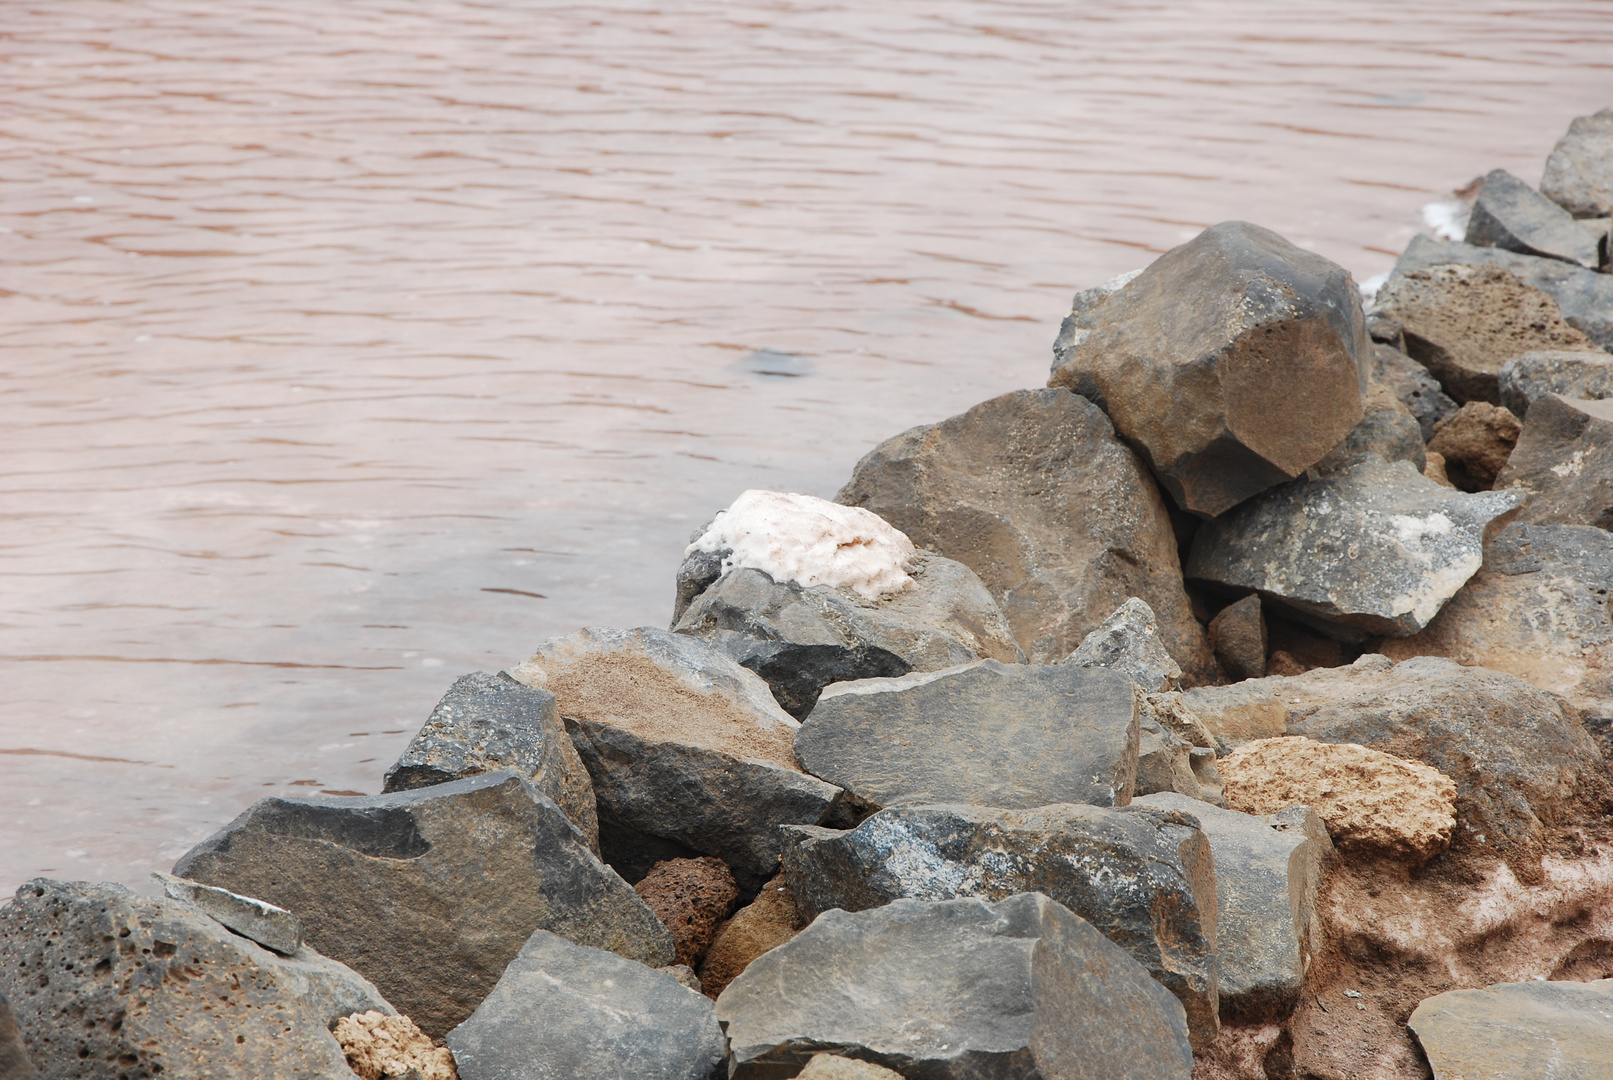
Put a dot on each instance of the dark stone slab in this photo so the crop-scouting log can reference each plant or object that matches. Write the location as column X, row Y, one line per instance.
column 1564, row 460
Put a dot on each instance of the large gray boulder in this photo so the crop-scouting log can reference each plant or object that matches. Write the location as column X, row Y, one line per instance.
column 1412, row 386
column 956, row 990
column 1564, row 461
column 1528, row 378
column 802, row 639
column 987, row 734
column 1375, row 549
column 430, row 893
column 563, row 1011
column 1234, row 363
column 682, row 744
column 1267, row 931
column 1579, row 172
column 1519, row 1031
column 1144, row 878
column 108, row 984
column 490, row 722
column 1510, row 214
column 1034, row 493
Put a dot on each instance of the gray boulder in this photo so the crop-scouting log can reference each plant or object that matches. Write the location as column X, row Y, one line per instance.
column 1519, row 1031
column 1375, row 549
column 1510, row 214
column 1144, row 878
column 108, row 984
column 956, row 990
column 985, row 733
column 14, row 1062
column 1267, row 931
column 1234, row 363
column 430, row 893
column 1034, row 493
column 800, row 640
column 272, row 927
column 1564, row 460
column 1579, row 172
column 563, row 1011
column 1128, row 642
column 1528, row 378
column 1412, row 386
column 490, row 722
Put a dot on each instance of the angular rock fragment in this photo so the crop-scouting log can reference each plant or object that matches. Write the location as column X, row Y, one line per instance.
column 985, row 733
column 691, row 897
column 759, row 927
column 1267, row 870
column 563, row 1011
column 430, row 893
column 1175, row 751
column 1234, row 363
column 1388, row 431
column 1579, row 172
column 14, row 1063
column 1564, row 460
column 1035, row 494
column 490, row 722
column 1510, row 214
column 835, row 1067
column 1128, row 642
column 107, row 983
column 1021, row 987
column 1376, row 549
column 1412, row 386
column 1144, row 878
column 380, row 1046
column 1519, row 1031
column 1475, row 444
column 681, row 742
column 1238, row 636
column 1528, row 378
column 272, row 927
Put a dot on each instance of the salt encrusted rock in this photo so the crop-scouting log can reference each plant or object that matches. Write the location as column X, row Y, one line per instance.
column 1021, row 987
column 107, row 983
column 1519, row 1031
column 1034, row 493
column 430, row 893
column 272, row 927
column 1267, row 871
column 835, row 1067
column 1412, row 386
column 1475, row 443
column 759, row 927
column 985, row 733
column 380, row 1046
column 490, row 722
column 563, row 1011
column 1537, row 610
column 1510, row 214
column 1528, row 378
column 1368, row 799
column 1238, row 636
column 691, row 897
column 1144, row 878
column 1579, row 172
column 1564, row 460
column 1464, row 322
column 681, row 742
column 14, row 1062
column 1376, row 549
column 802, row 639
column 1128, row 642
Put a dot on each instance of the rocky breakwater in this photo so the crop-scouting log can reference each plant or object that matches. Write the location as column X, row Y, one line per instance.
column 1236, row 707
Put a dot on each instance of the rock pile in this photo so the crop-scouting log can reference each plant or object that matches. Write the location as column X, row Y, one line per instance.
column 1236, row 707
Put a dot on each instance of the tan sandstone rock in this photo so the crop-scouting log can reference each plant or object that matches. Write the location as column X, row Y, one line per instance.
column 1367, row 799
column 760, row 926
column 835, row 1067
column 380, row 1046
column 1475, row 444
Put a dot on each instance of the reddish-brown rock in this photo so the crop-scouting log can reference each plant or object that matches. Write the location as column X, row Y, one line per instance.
column 1475, row 444
column 691, row 897
column 760, row 926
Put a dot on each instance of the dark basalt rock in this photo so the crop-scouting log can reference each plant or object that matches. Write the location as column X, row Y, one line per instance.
column 1528, row 378
column 1412, row 385
column 1510, row 214
column 1564, row 460
column 1579, row 172
column 1238, row 635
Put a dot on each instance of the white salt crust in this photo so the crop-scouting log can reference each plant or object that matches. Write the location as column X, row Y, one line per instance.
column 811, row 541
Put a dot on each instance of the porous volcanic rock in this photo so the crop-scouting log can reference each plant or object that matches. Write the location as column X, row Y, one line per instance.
column 1234, row 363
column 835, row 1067
column 430, row 893
column 1510, row 214
column 801, row 639
column 1519, row 1031
column 1368, row 799
column 490, row 722
column 1144, row 878
column 1238, row 636
column 760, row 926
column 1128, row 642
column 1061, row 521
column 1564, row 460
column 106, row 983
column 1528, row 378
column 272, row 927
column 681, row 743
column 1412, row 386
column 563, row 1011
column 1579, row 172
column 691, row 897
column 379, row 1046
column 989, row 734
column 1475, row 444
column 1020, row 987
column 1376, row 549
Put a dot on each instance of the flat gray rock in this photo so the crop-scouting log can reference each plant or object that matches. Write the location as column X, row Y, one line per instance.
column 1519, row 1031
column 1528, row 378
column 490, row 722
column 430, row 893
column 1564, row 461
column 14, row 1061
column 106, row 984
column 956, row 990
column 1579, row 172
column 1375, row 549
column 1412, row 386
column 272, row 927
column 563, row 1011
column 1510, row 214
column 1128, row 642
column 1267, row 870
column 1144, row 878
column 987, row 734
